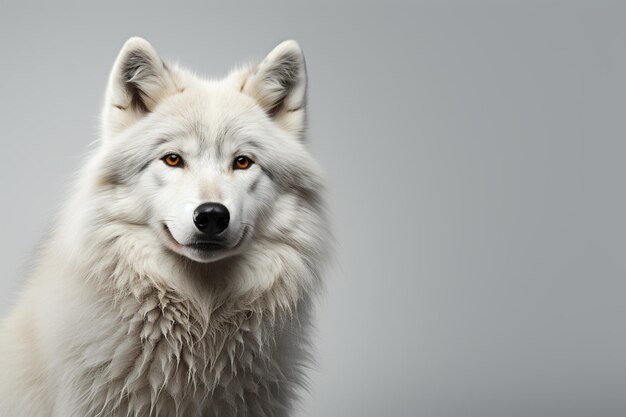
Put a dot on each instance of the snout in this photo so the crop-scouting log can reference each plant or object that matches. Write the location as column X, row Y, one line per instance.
column 211, row 218
column 213, row 235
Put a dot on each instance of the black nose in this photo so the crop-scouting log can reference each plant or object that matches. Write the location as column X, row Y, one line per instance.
column 211, row 218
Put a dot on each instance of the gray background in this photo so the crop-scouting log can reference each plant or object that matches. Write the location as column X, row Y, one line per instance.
column 476, row 157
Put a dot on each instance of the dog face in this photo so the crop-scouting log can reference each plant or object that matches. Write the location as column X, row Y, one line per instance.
column 202, row 164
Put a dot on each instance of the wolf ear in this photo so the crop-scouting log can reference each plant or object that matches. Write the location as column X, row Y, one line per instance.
column 139, row 80
column 278, row 84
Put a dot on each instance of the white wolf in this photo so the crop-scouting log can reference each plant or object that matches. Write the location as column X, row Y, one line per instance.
column 179, row 278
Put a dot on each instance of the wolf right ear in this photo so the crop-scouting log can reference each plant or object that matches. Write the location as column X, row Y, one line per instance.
column 139, row 80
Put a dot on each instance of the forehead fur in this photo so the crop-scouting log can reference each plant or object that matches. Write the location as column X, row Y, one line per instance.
column 213, row 112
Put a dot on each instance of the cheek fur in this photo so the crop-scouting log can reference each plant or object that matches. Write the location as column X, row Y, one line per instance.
column 257, row 199
column 158, row 179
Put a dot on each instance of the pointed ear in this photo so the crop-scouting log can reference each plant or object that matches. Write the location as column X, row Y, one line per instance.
column 139, row 80
column 278, row 84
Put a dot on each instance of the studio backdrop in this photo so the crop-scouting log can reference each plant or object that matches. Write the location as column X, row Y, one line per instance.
column 474, row 152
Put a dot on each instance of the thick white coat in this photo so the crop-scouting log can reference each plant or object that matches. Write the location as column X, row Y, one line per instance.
column 121, row 317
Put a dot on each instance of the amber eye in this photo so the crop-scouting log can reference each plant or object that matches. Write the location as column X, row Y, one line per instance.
column 242, row 162
column 173, row 160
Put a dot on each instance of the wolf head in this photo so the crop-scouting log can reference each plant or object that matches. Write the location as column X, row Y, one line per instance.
column 202, row 171
column 206, row 159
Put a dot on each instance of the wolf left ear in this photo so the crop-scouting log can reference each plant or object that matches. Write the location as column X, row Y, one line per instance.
column 139, row 80
column 278, row 84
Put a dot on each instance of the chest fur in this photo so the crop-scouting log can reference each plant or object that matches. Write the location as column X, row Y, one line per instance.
column 163, row 357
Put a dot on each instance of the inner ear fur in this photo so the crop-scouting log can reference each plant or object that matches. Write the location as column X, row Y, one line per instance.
column 278, row 84
column 138, row 82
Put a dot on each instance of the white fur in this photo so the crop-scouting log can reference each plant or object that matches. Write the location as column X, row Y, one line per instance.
column 122, row 319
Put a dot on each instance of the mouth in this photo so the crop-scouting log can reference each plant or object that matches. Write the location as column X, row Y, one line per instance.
column 204, row 248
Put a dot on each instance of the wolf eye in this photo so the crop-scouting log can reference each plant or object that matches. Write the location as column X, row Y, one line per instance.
column 242, row 162
column 173, row 160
